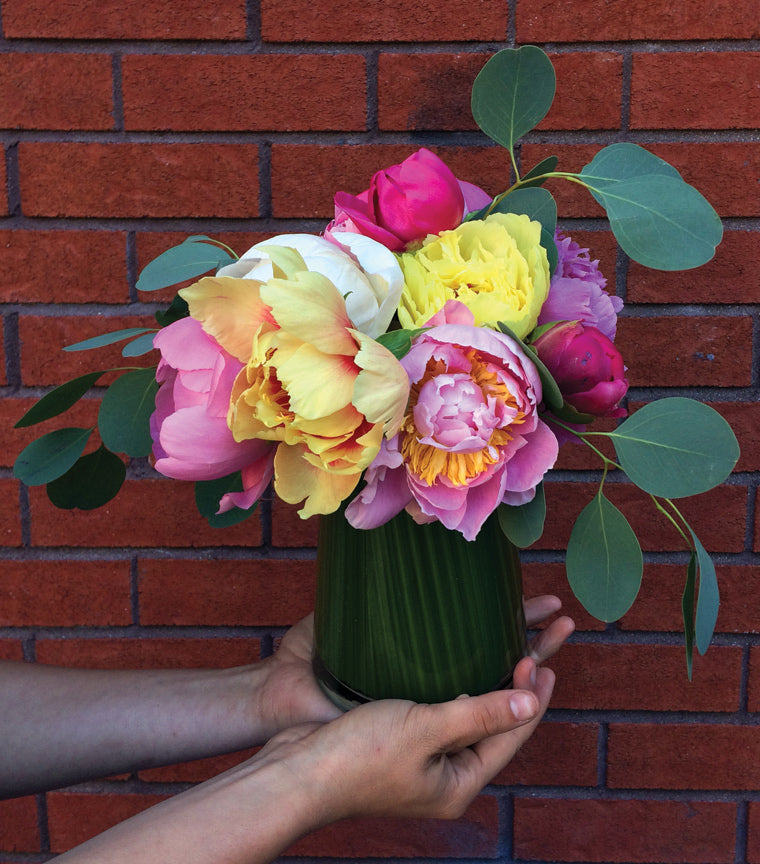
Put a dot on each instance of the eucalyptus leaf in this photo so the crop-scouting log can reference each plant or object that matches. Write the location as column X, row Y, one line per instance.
column 59, row 400
column 50, row 456
column 676, row 447
column 90, row 483
column 108, row 338
column 512, row 93
column 137, row 347
column 708, row 597
column 604, row 561
column 687, row 608
column 552, row 397
column 524, row 525
column 177, row 309
column 194, row 257
column 208, row 493
column 658, row 219
column 398, row 342
column 124, row 417
column 535, row 177
column 538, row 205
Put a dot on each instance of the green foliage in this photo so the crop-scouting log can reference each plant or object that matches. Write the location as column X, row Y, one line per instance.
column 177, row 309
column 90, row 483
column 50, row 456
column 676, row 447
column 192, row 258
column 137, row 347
column 512, row 93
column 125, row 412
column 524, row 525
column 59, row 400
column 687, row 608
column 537, row 175
column 208, row 493
column 108, row 338
column 604, row 561
column 398, row 342
column 708, row 596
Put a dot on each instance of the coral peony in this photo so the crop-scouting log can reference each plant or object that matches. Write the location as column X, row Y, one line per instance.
column 471, row 438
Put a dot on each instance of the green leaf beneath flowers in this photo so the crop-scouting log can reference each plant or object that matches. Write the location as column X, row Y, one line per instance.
column 50, row 456
column 398, row 342
column 90, row 483
column 524, row 525
column 194, row 257
column 108, row 338
column 59, row 400
column 208, row 493
column 604, row 560
column 551, row 395
column 676, row 447
column 124, row 417
column 513, row 93
column 177, row 309
column 658, row 219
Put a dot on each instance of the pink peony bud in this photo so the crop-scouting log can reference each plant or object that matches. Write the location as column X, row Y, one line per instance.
column 587, row 367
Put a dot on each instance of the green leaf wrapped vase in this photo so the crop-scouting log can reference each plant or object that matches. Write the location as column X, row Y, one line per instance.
column 410, row 611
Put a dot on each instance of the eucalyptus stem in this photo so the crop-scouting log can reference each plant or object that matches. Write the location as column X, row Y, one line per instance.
column 670, row 518
column 583, row 436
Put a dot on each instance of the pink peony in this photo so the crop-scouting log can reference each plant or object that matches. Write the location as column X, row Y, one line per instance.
column 471, row 438
column 191, row 439
column 587, row 367
column 576, row 291
column 406, row 202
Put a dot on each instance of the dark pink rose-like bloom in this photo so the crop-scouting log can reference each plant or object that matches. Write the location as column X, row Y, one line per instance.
column 471, row 438
column 576, row 291
column 587, row 367
column 406, row 202
column 191, row 438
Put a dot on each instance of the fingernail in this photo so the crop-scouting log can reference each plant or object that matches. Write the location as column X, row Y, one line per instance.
column 523, row 706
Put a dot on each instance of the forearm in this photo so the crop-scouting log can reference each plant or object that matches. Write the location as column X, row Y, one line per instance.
column 60, row 726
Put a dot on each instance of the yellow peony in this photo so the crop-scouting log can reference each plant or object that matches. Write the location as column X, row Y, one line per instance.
column 496, row 266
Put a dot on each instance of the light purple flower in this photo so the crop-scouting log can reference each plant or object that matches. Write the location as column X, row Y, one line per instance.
column 471, row 438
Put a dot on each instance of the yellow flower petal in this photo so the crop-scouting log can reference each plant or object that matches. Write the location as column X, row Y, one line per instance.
column 381, row 390
column 295, row 479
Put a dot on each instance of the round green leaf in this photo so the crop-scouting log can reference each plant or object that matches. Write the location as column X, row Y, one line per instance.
column 676, row 447
column 524, row 525
column 604, row 561
column 196, row 256
column 90, row 483
column 124, row 417
column 50, row 456
column 513, row 93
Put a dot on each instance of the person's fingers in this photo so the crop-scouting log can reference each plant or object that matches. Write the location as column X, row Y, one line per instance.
column 549, row 641
column 538, row 609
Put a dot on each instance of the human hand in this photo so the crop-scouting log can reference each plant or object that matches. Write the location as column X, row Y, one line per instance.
column 398, row 758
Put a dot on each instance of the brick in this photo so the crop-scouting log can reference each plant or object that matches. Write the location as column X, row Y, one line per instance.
column 146, row 513
column 45, row 363
column 18, row 825
column 383, row 21
column 32, row 95
column 728, row 278
column 124, row 19
column 566, row 500
column 262, row 593
column 577, row 456
column 289, row 530
column 247, row 93
column 670, row 756
column 63, row 267
column 10, row 521
column 744, row 419
column 753, row 844
column 196, row 771
column 138, row 180
column 623, row 677
column 687, row 351
column 688, row 90
column 557, row 754
column 474, row 835
column 12, row 441
column 11, row 649
column 672, row 832
column 324, row 170
column 626, row 20
column 74, row 817
column 4, row 187
column 551, row 578
column 148, row 653
column 64, row 593
column 753, row 696
column 658, row 605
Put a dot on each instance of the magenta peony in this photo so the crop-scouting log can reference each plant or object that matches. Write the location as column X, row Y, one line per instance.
column 471, row 438
column 576, row 291
column 191, row 439
column 406, row 202
column 587, row 367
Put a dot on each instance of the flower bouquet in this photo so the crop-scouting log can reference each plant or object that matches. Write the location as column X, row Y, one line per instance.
column 409, row 376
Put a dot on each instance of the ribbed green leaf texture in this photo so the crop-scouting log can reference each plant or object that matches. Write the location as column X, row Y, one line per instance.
column 416, row 611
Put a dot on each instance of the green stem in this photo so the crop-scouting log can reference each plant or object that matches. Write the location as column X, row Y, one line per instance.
column 670, row 518
column 583, row 436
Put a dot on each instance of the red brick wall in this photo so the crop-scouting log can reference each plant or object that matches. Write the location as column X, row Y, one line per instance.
column 127, row 124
